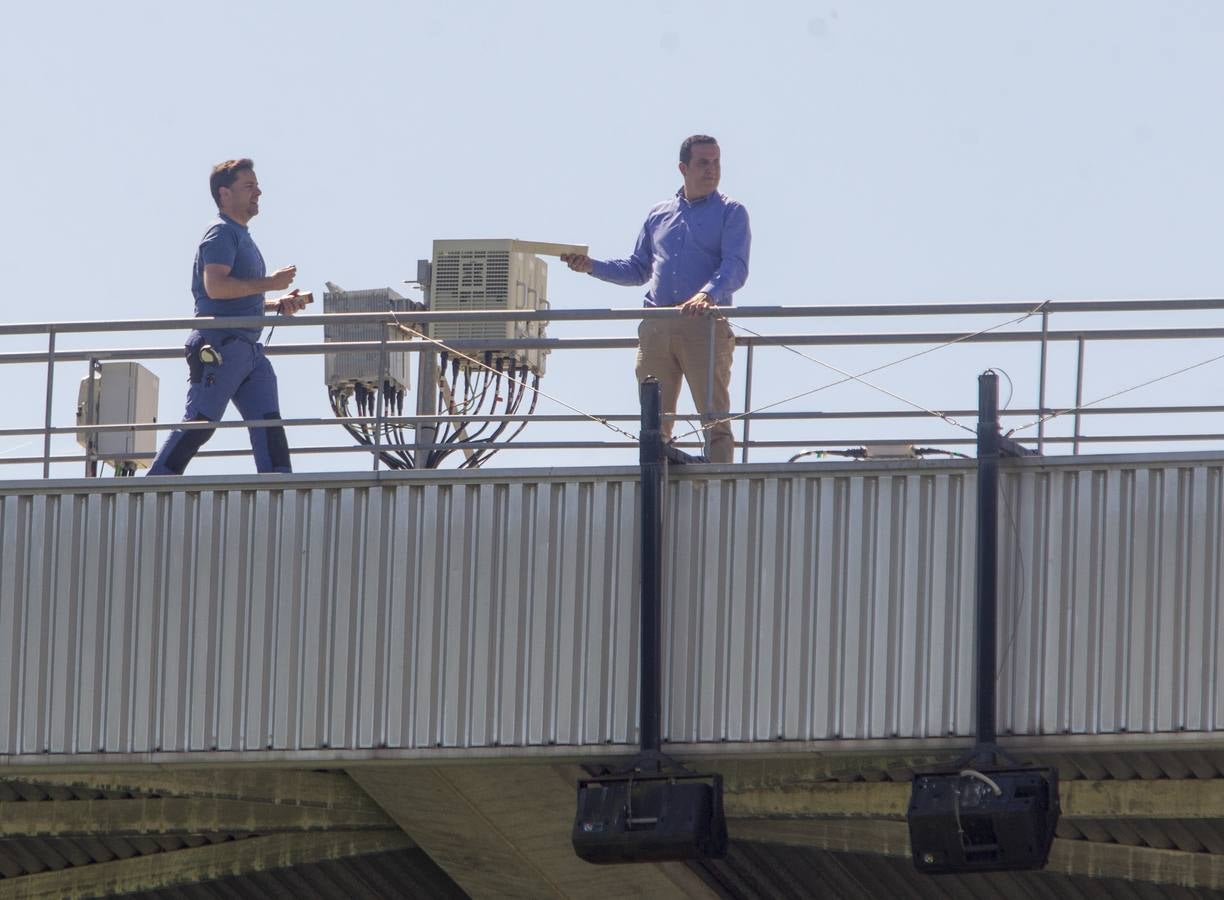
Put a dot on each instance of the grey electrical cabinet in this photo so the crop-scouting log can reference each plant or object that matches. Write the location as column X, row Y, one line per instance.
column 367, row 367
column 123, row 393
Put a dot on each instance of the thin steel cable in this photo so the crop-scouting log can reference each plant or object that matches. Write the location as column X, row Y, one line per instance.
column 453, row 352
column 1134, row 387
column 848, row 376
column 8, row 451
column 852, row 377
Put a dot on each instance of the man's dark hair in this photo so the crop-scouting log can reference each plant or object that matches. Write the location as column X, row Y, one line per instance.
column 225, row 174
column 686, row 149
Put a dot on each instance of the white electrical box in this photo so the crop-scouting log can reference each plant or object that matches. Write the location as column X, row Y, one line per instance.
column 123, row 393
column 490, row 275
column 365, row 367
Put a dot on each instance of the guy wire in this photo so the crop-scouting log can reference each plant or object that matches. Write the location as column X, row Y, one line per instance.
column 1135, row 387
column 848, row 376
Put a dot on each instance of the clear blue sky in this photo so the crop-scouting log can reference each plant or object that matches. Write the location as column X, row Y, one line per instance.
column 887, row 150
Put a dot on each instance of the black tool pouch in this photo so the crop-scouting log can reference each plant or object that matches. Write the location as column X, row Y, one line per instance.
column 195, row 368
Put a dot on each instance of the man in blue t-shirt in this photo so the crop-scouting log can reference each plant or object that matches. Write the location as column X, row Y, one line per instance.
column 692, row 253
column 224, row 364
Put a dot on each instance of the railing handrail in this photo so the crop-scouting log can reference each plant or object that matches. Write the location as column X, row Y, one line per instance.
column 847, row 339
column 1017, row 330
column 847, row 311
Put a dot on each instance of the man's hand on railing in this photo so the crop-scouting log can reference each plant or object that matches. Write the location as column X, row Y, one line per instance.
column 697, row 304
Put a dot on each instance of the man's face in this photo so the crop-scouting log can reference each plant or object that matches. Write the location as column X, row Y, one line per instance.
column 701, row 172
column 240, row 201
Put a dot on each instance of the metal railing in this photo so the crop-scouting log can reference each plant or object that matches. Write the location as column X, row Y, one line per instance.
column 1031, row 325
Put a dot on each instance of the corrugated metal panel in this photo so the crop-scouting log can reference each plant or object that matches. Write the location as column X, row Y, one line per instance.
column 813, row 606
column 1112, row 577
column 416, row 610
column 396, row 613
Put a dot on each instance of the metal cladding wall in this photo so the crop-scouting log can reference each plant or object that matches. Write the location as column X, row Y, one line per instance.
column 828, row 604
column 424, row 610
column 1113, row 577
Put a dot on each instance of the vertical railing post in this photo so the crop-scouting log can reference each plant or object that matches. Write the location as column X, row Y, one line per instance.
column 747, row 404
column 382, row 391
column 91, row 418
column 709, row 413
column 651, row 460
column 1079, row 392
column 1041, row 382
column 986, row 574
column 50, row 389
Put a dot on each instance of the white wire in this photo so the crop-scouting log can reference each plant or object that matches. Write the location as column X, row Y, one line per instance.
column 980, row 776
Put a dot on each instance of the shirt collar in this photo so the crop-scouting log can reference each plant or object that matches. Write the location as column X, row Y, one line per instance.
column 224, row 218
column 682, row 199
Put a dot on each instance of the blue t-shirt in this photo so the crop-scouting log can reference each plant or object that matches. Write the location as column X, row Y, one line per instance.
column 229, row 244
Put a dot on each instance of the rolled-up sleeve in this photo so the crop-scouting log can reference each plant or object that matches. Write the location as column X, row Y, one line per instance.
column 635, row 270
column 732, row 273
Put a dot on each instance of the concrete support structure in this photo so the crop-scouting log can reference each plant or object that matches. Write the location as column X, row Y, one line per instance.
column 504, row 832
column 501, row 830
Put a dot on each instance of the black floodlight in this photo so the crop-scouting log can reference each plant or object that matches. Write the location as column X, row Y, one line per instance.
column 985, row 820
column 654, row 809
column 633, row 818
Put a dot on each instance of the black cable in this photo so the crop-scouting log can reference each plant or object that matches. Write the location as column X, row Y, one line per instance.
column 475, row 404
column 535, row 398
column 400, row 437
column 513, row 399
column 451, row 427
column 484, row 454
column 495, row 381
column 446, row 433
column 339, row 404
column 929, row 451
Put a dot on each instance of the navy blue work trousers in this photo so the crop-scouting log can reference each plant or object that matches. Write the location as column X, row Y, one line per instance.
column 243, row 375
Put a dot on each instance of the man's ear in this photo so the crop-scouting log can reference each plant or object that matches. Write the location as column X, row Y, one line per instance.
column 683, row 169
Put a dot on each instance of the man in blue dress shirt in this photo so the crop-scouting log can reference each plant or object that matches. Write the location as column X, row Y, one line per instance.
column 693, row 255
column 224, row 364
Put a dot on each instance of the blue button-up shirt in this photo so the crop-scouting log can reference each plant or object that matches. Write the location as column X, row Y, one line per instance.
column 685, row 248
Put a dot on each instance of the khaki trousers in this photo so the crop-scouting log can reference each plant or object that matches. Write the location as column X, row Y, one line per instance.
column 680, row 346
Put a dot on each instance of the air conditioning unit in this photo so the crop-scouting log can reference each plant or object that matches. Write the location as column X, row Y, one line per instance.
column 365, row 367
column 474, row 275
column 123, row 393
